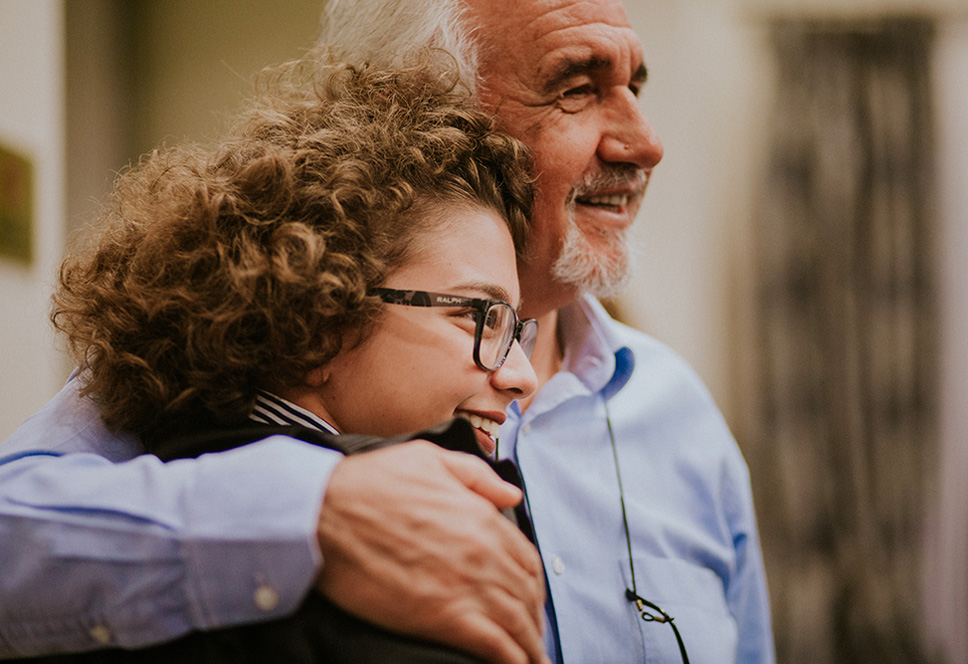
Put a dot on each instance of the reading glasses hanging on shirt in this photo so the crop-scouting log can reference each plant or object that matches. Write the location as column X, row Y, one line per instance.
column 498, row 325
column 649, row 611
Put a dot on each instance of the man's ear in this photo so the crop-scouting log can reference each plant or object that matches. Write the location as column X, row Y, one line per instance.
column 318, row 377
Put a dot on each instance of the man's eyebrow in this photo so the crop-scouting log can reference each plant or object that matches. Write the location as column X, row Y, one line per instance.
column 571, row 68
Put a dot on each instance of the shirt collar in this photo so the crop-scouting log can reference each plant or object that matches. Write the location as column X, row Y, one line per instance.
column 272, row 409
column 594, row 350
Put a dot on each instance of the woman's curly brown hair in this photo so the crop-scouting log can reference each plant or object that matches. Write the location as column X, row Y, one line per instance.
column 216, row 272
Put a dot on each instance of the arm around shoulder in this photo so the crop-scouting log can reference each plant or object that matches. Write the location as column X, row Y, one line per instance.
column 137, row 552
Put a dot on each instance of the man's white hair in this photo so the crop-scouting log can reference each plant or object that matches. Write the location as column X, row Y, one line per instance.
column 393, row 32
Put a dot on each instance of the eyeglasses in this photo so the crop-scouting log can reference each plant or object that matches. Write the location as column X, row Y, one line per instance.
column 498, row 325
column 644, row 606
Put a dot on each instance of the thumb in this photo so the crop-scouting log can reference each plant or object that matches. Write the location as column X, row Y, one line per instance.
column 477, row 476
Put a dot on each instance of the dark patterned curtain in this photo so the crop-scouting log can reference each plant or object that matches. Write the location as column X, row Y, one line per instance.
column 846, row 328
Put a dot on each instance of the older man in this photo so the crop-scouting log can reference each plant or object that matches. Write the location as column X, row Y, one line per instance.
column 639, row 496
column 634, row 484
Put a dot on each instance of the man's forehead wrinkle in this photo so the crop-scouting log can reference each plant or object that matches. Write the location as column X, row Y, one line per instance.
column 547, row 26
column 532, row 20
column 596, row 42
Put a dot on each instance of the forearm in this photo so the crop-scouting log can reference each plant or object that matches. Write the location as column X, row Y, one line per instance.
column 140, row 552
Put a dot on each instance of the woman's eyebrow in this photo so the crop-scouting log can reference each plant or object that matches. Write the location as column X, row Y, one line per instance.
column 493, row 291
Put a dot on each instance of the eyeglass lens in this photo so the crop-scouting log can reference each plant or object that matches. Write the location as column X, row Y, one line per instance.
column 499, row 327
column 529, row 336
column 497, row 334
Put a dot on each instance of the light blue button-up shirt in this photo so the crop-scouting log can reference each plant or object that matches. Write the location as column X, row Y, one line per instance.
column 693, row 532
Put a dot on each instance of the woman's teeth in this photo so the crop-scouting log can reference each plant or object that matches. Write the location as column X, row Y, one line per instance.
column 488, row 426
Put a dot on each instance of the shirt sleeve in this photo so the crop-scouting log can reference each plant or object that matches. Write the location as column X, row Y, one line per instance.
column 746, row 593
column 99, row 552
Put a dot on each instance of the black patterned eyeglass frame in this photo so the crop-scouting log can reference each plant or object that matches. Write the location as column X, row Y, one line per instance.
column 524, row 331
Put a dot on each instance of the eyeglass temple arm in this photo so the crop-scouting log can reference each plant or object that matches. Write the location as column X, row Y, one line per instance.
column 640, row 603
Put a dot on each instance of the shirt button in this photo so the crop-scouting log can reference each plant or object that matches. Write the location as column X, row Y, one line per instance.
column 266, row 598
column 558, row 565
column 526, row 429
column 101, row 634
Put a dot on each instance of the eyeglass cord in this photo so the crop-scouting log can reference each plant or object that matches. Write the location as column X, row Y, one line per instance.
column 631, row 594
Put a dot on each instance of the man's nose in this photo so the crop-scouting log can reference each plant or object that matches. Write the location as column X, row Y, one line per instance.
column 628, row 136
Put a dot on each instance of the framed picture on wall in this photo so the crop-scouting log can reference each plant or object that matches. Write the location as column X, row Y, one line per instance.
column 16, row 206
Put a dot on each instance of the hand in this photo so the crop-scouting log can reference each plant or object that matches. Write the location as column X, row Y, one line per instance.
column 412, row 540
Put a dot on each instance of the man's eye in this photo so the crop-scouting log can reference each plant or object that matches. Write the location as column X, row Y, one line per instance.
column 575, row 99
column 579, row 91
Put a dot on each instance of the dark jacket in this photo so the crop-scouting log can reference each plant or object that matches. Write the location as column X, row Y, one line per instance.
column 318, row 631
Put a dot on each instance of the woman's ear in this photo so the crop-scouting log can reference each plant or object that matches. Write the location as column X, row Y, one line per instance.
column 318, row 377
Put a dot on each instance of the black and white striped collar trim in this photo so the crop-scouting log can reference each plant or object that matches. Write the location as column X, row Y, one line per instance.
column 270, row 409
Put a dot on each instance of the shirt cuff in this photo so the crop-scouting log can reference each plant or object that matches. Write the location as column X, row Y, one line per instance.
column 254, row 552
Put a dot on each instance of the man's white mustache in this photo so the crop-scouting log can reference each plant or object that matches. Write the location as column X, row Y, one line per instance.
column 623, row 177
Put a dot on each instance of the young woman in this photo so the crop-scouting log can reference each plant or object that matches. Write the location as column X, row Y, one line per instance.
column 264, row 267
column 344, row 264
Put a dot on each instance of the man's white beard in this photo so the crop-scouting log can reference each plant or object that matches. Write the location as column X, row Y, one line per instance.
column 603, row 272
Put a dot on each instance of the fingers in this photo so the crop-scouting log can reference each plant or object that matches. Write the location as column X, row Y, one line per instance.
column 418, row 524
column 494, row 625
column 510, row 621
column 522, row 578
column 523, row 575
column 479, row 478
column 489, row 639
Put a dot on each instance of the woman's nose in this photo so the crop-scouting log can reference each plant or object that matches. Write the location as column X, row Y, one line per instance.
column 516, row 375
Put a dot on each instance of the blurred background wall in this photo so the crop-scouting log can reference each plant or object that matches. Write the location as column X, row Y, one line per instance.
column 865, row 529
column 32, row 130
